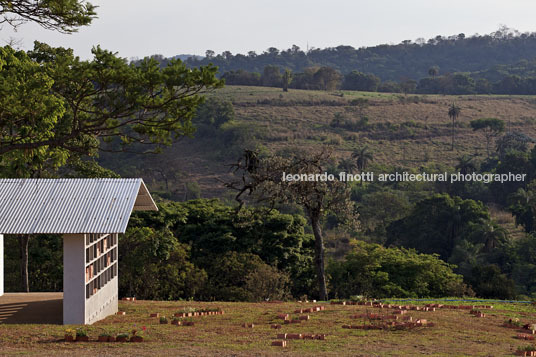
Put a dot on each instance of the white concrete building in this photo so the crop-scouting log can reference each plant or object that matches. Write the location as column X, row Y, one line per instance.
column 89, row 213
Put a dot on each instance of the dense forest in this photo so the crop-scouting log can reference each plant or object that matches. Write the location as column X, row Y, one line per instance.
column 409, row 59
column 501, row 62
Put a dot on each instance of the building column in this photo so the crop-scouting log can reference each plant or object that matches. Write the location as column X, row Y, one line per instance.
column 74, row 291
column 1, row 265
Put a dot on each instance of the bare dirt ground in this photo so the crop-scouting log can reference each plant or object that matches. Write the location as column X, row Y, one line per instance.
column 31, row 308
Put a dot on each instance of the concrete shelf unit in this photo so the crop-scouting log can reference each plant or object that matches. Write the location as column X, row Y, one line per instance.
column 101, row 261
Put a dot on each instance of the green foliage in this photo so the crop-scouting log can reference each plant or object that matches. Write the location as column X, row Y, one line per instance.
column 437, row 224
column 491, row 124
column 456, row 83
column 155, row 266
column 491, row 127
column 88, row 169
column 363, row 157
column 512, row 141
column 232, row 277
column 211, row 230
column 46, row 118
column 271, row 76
column 215, row 112
column 267, row 283
column 45, row 266
column 327, row 78
column 241, row 77
column 320, row 78
column 514, row 162
column 61, row 15
column 389, row 87
column 356, row 80
column 523, row 206
column 81, row 332
column 524, row 269
column 489, row 282
column 372, row 270
column 433, row 71
column 341, row 121
column 286, row 79
column 491, row 57
column 408, row 86
column 378, row 209
column 29, row 113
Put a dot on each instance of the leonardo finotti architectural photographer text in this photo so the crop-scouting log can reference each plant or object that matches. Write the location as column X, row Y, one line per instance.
column 370, row 176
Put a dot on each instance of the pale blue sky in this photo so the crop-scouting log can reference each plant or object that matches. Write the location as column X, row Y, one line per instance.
column 137, row 28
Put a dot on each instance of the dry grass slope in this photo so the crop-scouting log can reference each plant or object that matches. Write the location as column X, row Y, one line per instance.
column 403, row 131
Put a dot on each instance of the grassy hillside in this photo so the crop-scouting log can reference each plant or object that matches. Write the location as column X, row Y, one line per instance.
column 403, row 131
column 454, row 332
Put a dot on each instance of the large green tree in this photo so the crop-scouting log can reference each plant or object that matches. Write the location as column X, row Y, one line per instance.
column 97, row 99
column 523, row 207
column 356, row 80
column 491, row 127
column 438, row 224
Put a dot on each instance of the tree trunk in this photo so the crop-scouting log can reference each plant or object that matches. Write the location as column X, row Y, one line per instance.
column 319, row 255
column 488, row 139
column 452, row 147
column 23, row 243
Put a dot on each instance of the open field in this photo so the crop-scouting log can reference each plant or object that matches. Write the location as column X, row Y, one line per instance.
column 455, row 332
column 402, row 130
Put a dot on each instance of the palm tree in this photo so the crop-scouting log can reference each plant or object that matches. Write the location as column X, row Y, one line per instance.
column 492, row 234
column 466, row 165
column 347, row 165
column 362, row 157
column 454, row 113
column 466, row 256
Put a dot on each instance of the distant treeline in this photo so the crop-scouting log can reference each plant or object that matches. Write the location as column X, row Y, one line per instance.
column 406, row 60
column 503, row 62
column 498, row 80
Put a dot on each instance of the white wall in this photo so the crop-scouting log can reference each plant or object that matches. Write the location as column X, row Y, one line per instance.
column 74, row 290
column 103, row 303
column 1, row 265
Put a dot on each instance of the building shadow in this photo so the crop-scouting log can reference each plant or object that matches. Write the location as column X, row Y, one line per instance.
column 25, row 310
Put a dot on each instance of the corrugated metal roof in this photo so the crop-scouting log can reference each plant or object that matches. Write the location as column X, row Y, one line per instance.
column 33, row 206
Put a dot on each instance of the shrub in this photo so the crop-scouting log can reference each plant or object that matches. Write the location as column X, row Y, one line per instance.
column 341, row 121
column 232, row 278
column 373, row 270
column 267, row 283
column 80, row 332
